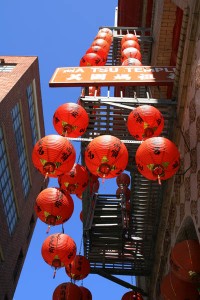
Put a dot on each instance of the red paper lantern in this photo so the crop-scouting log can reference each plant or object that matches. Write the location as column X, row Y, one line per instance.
column 145, row 121
column 71, row 120
column 58, row 250
column 106, row 156
column 81, row 216
column 79, row 196
column 130, row 43
column 185, row 260
column 157, row 158
column 105, row 36
column 98, row 50
column 132, row 295
column 67, row 291
column 94, row 91
column 53, row 207
column 93, row 183
column 173, row 288
column 124, row 190
column 131, row 53
column 123, row 180
column 53, row 155
column 94, row 187
column 86, row 294
column 131, row 62
column 79, row 268
column 74, row 181
column 91, row 59
column 102, row 43
column 106, row 30
column 128, row 37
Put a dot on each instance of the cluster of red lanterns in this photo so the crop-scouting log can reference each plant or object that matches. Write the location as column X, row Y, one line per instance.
column 97, row 54
column 69, row 290
column 130, row 50
column 106, row 156
column 183, row 279
column 54, row 156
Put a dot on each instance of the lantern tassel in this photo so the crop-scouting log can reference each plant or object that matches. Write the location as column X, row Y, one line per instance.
column 54, row 273
column 159, row 180
column 48, row 229
column 103, row 178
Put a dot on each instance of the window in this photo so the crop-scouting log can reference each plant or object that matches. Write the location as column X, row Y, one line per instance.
column 7, row 67
column 30, row 98
column 6, row 188
column 23, row 165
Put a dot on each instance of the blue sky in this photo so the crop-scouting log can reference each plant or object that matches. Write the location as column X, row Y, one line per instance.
column 59, row 33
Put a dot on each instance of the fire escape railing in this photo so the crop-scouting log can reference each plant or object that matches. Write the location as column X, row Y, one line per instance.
column 114, row 245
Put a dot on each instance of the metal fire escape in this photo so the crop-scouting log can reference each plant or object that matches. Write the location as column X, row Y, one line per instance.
column 118, row 242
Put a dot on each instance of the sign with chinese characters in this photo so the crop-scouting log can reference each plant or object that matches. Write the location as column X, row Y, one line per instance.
column 112, row 76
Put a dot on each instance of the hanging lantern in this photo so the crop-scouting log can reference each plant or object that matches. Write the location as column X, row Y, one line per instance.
column 132, row 295
column 130, row 43
column 93, row 183
column 53, row 207
column 58, row 250
column 94, row 187
column 106, row 30
column 94, row 91
column 91, row 59
column 79, row 268
column 173, row 288
column 71, row 120
column 81, row 216
column 185, row 261
column 67, row 291
column 98, row 50
column 75, row 181
column 128, row 37
column 123, row 180
column 92, row 177
column 125, row 191
column 86, row 294
column 106, row 156
column 131, row 53
column 53, row 155
column 102, row 43
column 105, row 36
column 157, row 158
column 79, row 196
column 145, row 121
column 131, row 62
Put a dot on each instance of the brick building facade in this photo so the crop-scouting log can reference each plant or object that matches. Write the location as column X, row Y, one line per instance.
column 21, row 125
column 175, row 33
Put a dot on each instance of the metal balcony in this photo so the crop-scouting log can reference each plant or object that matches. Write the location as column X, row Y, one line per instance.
column 116, row 241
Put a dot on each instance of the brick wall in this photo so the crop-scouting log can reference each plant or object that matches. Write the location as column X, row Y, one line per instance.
column 13, row 90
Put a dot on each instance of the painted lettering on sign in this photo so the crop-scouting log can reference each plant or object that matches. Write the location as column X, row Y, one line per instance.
column 112, row 76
